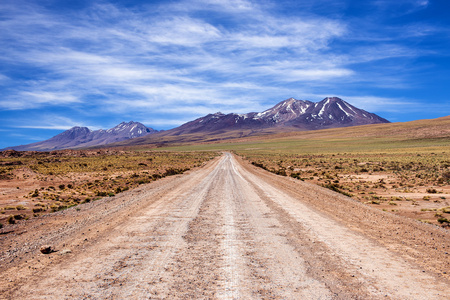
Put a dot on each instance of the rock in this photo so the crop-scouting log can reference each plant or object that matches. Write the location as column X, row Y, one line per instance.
column 65, row 251
column 46, row 249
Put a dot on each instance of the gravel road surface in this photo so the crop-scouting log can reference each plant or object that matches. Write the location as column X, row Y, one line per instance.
column 227, row 230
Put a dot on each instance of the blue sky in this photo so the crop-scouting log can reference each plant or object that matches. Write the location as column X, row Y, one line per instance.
column 163, row 63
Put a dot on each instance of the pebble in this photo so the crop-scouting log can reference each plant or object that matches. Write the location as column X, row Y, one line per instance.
column 47, row 249
column 65, row 251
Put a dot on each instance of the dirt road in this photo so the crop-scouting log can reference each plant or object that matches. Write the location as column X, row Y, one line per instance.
column 226, row 231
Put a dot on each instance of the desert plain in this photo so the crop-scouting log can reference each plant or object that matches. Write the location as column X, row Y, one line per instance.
column 334, row 214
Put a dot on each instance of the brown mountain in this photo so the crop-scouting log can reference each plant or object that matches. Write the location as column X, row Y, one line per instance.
column 331, row 112
column 82, row 137
column 288, row 115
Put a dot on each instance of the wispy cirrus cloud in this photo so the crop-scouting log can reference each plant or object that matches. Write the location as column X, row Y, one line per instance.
column 36, row 98
column 52, row 122
column 401, row 7
column 178, row 60
column 142, row 56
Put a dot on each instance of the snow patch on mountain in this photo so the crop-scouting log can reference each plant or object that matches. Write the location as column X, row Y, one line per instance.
column 81, row 137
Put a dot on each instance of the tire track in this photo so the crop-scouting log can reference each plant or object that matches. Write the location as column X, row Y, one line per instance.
column 223, row 232
column 357, row 265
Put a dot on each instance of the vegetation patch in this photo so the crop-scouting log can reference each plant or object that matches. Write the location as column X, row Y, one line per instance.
column 57, row 180
column 387, row 176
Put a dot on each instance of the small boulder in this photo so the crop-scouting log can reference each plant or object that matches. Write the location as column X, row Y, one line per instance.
column 46, row 249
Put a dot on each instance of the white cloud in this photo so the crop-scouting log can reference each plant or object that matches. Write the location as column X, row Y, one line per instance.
column 28, row 100
column 230, row 6
column 189, row 57
column 164, row 122
column 49, row 121
column 313, row 75
column 183, row 31
column 372, row 103
column 401, row 7
column 147, row 56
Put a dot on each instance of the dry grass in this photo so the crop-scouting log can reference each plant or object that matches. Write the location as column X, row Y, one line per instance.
column 41, row 182
column 401, row 167
column 403, row 183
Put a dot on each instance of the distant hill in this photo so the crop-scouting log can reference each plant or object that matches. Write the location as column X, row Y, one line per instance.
column 82, row 137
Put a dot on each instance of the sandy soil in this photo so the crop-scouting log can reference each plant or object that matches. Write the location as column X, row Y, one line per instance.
column 227, row 231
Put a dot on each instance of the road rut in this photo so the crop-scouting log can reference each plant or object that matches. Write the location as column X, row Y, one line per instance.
column 225, row 231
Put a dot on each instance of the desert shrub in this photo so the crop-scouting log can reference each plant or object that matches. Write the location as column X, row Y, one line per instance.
column 20, row 207
column 259, row 165
column 173, row 171
column 55, row 207
column 296, row 176
column 443, row 220
column 156, row 176
column 373, row 202
column 1, row 225
column 425, row 221
column 61, row 186
column 431, row 191
column 281, row 172
column 337, row 188
column 11, row 219
column 38, row 209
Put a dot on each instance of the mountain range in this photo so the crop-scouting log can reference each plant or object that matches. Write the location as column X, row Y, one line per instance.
column 83, row 137
column 331, row 112
column 288, row 115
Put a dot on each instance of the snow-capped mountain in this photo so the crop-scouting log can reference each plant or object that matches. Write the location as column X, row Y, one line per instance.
column 334, row 112
column 331, row 112
column 288, row 115
column 81, row 137
column 285, row 111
